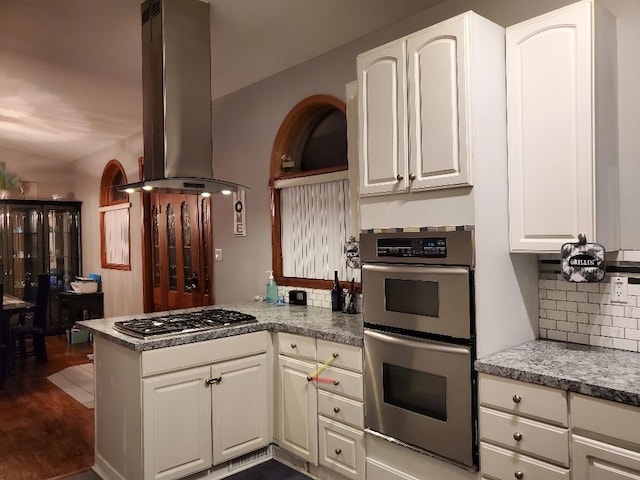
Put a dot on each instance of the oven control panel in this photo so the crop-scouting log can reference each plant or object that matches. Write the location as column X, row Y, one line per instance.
column 420, row 247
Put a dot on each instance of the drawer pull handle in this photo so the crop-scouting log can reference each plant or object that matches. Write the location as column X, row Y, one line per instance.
column 516, row 398
column 336, row 409
column 338, row 451
column 309, row 378
column 335, row 354
column 519, row 475
column 517, row 436
column 336, row 382
column 213, row 381
column 293, row 345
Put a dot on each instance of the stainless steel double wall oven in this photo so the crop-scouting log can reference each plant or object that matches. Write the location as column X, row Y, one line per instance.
column 419, row 340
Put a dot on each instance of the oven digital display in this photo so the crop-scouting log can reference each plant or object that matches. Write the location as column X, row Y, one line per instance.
column 423, row 247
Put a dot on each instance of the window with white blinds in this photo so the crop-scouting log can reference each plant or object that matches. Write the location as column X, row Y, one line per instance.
column 315, row 225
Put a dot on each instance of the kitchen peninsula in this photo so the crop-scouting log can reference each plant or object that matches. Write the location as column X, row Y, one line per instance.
column 168, row 406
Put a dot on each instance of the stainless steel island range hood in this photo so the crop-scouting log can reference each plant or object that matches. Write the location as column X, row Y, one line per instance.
column 176, row 87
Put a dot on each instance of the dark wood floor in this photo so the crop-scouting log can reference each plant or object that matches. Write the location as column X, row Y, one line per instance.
column 44, row 433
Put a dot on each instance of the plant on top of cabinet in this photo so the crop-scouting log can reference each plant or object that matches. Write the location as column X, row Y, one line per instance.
column 416, row 111
column 562, row 122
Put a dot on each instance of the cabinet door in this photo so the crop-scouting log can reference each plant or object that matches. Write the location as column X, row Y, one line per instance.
column 298, row 423
column 437, row 106
column 240, row 407
column 549, row 110
column 382, row 120
column 593, row 460
column 176, row 424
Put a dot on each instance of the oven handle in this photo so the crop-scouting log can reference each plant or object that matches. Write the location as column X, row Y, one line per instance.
column 413, row 269
column 421, row 344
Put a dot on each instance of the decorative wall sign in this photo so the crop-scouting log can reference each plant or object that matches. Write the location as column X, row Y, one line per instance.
column 239, row 227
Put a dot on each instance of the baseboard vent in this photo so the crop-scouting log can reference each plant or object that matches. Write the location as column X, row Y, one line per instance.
column 251, row 459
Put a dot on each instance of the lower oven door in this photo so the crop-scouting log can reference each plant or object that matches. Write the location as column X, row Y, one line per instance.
column 419, row 392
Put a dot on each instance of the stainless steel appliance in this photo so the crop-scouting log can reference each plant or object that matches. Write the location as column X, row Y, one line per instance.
column 176, row 323
column 419, row 340
column 176, row 94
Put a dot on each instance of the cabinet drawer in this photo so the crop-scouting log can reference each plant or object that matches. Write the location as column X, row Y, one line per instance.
column 377, row 470
column 296, row 345
column 341, row 409
column 190, row 355
column 342, row 382
column 535, row 401
column 503, row 464
column 604, row 417
column 343, row 356
column 341, row 448
column 537, row 439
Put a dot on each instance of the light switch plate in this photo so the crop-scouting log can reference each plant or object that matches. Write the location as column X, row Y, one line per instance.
column 217, row 254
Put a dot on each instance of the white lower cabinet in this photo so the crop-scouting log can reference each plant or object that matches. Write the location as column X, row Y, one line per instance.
column 177, row 424
column 524, row 430
column 341, row 448
column 594, row 460
column 517, row 441
column 171, row 412
column 320, row 413
column 379, row 471
column 606, row 439
column 298, row 409
column 203, row 416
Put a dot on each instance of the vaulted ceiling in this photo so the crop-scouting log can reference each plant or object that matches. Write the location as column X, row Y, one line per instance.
column 70, row 76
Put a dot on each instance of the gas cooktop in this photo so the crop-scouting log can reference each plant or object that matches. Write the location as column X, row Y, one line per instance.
column 182, row 323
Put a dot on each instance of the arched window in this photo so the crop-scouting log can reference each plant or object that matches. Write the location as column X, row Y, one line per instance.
column 114, row 219
column 310, row 194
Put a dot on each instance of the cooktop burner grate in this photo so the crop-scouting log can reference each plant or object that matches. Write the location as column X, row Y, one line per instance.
column 183, row 322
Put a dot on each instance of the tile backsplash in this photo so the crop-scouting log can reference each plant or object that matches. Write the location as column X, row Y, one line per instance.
column 583, row 313
column 317, row 297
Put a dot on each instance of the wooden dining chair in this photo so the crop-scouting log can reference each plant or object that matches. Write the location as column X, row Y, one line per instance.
column 34, row 330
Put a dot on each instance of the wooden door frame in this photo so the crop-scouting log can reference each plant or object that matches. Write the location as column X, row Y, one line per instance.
column 147, row 251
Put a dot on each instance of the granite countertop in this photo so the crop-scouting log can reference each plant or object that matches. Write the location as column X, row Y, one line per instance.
column 595, row 371
column 303, row 320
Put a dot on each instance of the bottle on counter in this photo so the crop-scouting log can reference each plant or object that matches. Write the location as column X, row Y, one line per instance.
column 272, row 288
column 336, row 294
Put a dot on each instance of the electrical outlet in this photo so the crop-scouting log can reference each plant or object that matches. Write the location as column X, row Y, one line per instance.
column 217, row 254
column 619, row 289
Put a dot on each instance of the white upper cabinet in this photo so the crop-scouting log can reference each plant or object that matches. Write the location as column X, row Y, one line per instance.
column 382, row 119
column 438, row 155
column 413, row 115
column 562, row 129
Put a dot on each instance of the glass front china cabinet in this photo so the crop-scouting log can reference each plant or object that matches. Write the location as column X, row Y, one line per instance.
column 40, row 237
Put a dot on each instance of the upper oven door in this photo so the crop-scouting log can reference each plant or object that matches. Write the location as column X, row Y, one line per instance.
column 420, row 298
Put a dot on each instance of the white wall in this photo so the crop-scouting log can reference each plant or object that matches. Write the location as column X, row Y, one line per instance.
column 48, row 176
column 122, row 289
column 246, row 122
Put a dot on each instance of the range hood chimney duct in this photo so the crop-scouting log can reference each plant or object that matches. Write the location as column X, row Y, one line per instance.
column 176, row 87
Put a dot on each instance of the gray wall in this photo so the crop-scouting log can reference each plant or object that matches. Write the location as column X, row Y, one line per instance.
column 246, row 122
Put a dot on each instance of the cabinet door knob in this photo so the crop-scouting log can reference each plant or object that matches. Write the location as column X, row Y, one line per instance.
column 309, row 378
column 336, row 382
column 399, row 177
column 335, row 354
column 516, row 398
column 517, row 436
column 338, row 451
column 336, row 409
column 519, row 475
column 412, row 176
column 293, row 345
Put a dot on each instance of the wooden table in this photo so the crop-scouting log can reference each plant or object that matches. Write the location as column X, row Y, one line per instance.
column 10, row 306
